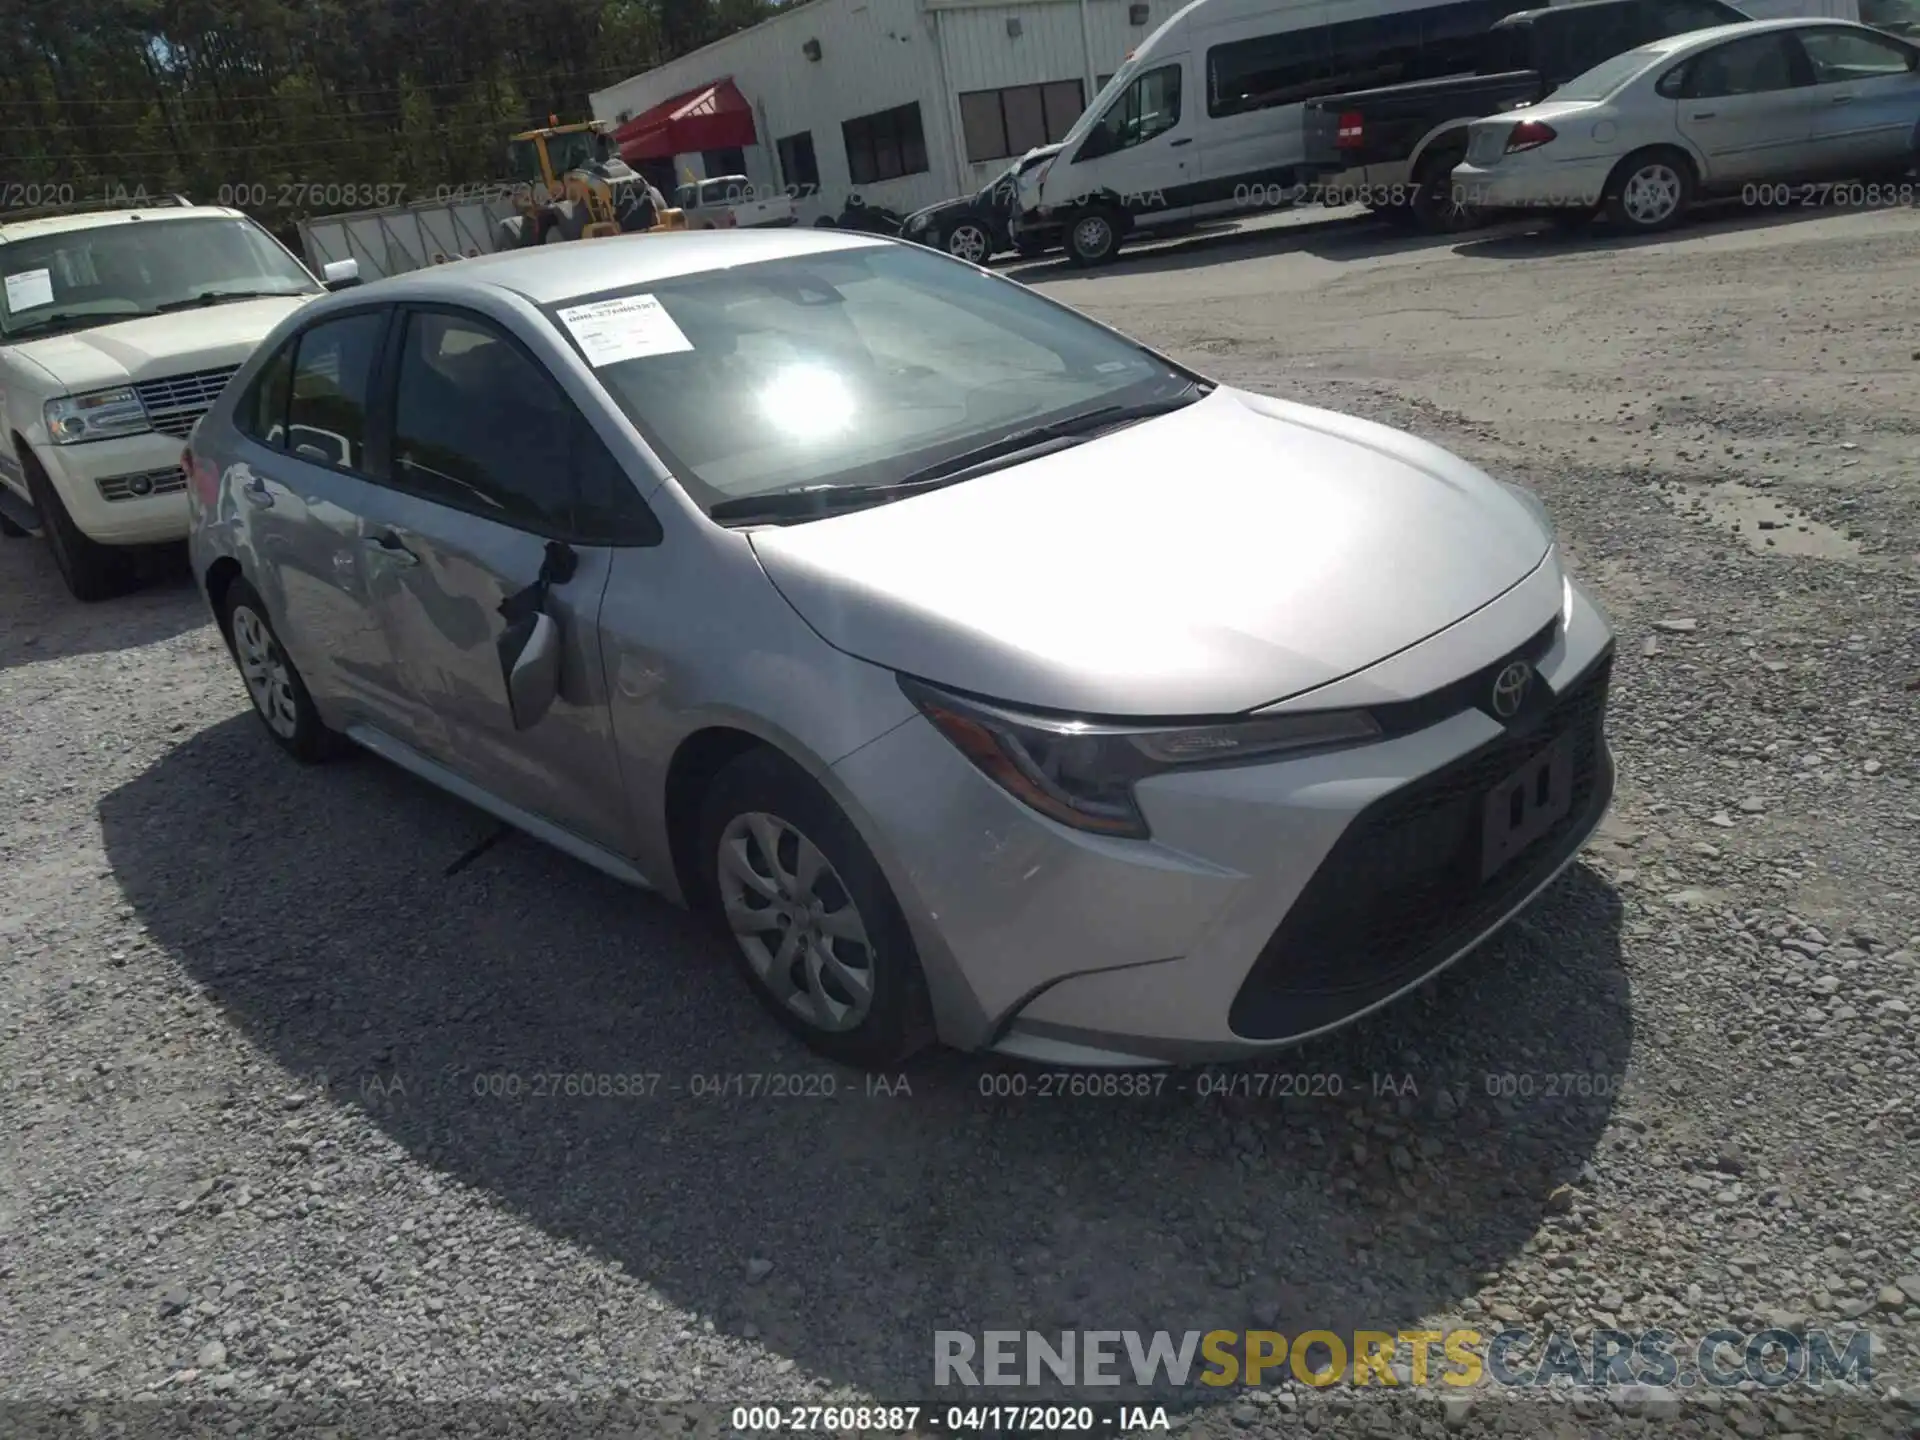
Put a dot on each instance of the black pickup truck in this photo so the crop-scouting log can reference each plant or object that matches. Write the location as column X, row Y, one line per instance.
column 1394, row 146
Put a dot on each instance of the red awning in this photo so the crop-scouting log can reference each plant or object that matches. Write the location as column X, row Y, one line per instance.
column 714, row 117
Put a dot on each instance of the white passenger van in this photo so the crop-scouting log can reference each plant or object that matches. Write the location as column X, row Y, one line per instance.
column 1204, row 120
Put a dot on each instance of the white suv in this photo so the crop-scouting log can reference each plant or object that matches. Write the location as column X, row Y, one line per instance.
column 117, row 330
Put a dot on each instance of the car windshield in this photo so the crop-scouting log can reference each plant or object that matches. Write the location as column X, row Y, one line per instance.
column 858, row 367
column 1605, row 78
column 100, row 274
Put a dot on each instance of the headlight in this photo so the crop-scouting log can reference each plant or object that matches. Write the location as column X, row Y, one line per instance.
column 100, row 415
column 916, row 223
column 1082, row 773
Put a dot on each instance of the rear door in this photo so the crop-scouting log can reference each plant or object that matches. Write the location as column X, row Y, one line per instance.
column 1866, row 100
column 303, row 482
column 1747, row 108
column 491, row 462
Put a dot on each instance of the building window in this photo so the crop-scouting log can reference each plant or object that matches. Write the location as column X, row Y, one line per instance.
column 1002, row 123
column 799, row 171
column 724, row 162
column 885, row 146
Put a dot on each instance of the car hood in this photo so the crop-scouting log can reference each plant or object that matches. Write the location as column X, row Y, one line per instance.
column 1210, row 561
column 160, row 345
column 942, row 210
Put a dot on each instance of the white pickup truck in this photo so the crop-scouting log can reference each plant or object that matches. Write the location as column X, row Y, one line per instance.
column 728, row 202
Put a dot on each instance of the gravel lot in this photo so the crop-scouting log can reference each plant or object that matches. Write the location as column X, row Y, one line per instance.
column 250, row 1009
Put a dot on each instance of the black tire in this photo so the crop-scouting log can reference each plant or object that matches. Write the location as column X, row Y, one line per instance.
column 307, row 739
column 92, row 571
column 1630, row 201
column 1093, row 236
column 825, row 222
column 1438, row 206
column 10, row 530
column 970, row 241
column 898, row 1019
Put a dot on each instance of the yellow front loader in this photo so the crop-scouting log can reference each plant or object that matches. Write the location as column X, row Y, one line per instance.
column 571, row 184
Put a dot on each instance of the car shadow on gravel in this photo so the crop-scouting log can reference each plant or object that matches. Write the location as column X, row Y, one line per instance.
column 40, row 620
column 355, row 925
column 1527, row 239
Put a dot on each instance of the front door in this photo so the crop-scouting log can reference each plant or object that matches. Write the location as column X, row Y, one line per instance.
column 486, row 452
column 1747, row 108
column 1866, row 102
column 1141, row 150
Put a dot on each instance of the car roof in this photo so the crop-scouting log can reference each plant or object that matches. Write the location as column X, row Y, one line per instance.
column 1701, row 39
column 552, row 274
column 99, row 219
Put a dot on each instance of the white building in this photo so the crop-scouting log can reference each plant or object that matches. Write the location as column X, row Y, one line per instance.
column 903, row 102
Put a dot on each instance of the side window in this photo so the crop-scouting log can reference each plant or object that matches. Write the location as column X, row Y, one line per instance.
column 478, row 426
column 262, row 415
column 1754, row 66
column 327, row 411
column 1842, row 55
column 1268, row 70
column 1149, row 107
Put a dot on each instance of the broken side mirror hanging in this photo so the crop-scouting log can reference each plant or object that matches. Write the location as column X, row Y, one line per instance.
column 530, row 646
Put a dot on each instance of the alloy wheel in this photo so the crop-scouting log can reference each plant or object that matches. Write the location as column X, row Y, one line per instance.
column 968, row 242
column 795, row 921
column 265, row 671
column 1093, row 235
column 1651, row 194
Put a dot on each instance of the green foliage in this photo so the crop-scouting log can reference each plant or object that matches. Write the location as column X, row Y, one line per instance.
column 292, row 107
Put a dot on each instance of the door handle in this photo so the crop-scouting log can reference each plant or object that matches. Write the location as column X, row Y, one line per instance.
column 256, row 492
column 388, row 547
column 1705, row 114
column 1183, row 140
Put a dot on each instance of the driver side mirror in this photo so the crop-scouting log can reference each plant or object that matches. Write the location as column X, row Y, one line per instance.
column 341, row 274
column 530, row 664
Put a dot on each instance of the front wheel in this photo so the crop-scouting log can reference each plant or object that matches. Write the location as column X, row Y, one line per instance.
column 1094, row 237
column 812, row 919
column 969, row 241
column 1649, row 191
column 92, row 571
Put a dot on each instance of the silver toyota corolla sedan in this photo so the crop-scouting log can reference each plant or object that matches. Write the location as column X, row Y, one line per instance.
column 987, row 676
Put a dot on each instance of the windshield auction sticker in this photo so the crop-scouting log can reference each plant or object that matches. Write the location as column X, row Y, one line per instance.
column 28, row 289
column 610, row 331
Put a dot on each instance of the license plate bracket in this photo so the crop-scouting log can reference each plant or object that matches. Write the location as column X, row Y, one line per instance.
column 1526, row 805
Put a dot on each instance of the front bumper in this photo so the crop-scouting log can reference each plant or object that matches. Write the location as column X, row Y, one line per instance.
column 130, row 491
column 1274, row 902
column 1532, row 182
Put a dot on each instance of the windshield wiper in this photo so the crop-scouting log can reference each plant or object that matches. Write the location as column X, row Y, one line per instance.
column 1027, row 444
column 214, row 297
column 71, row 317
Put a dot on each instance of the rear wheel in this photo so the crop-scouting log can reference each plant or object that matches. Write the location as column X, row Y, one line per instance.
column 812, row 919
column 1649, row 191
column 92, row 571
column 1093, row 238
column 1439, row 206
column 278, row 693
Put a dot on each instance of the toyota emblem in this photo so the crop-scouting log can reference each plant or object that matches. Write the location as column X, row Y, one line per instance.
column 1510, row 689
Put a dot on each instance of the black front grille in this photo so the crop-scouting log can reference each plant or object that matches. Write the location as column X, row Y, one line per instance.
column 1401, row 890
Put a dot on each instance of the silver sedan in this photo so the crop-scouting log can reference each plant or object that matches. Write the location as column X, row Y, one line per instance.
column 1731, row 110
column 986, row 676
